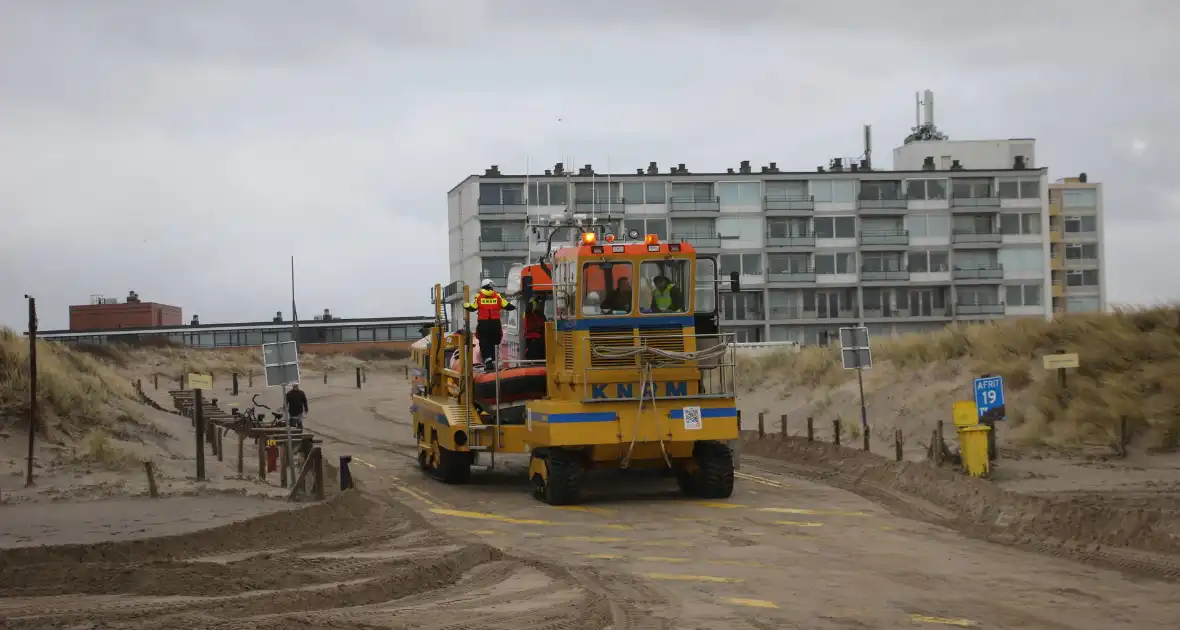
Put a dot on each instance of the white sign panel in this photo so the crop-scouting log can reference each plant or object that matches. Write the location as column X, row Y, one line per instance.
column 281, row 361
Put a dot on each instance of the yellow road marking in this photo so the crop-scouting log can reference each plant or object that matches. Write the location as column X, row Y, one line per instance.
column 762, row 480
column 484, row 532
column 756, row 603
column 962, row 623
column 719, row 505
column 799, row 523
column 490, row 517
column 665, row 543
column 361, row 461
column 692, row 578
column 417, row 496
column 595, row 539
column 532, row 535
column 664, row 559
column 600, row 556
column 609, row 526
column 739, row 563
column 812, row 512
column 582, row 508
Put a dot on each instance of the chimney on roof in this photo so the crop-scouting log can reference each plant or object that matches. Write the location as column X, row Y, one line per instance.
column 559, row 169
column 586, row 171
column 837, row 165
column 639, row 171
column 855, row 167
column 682, row 169
column 494, row 171
column 1018, row 163
column 956, row 166
column 195, row 322
column 548, row 172
column 133, row 298
column 729, row 171
column 327, row 315
column 745, row 167
column 928, row 163
column 653, row 168
column 1082, row 178
column 765, row 169
column 819, row 169
column 866, row 165
column 773, row 167
column 278, row 319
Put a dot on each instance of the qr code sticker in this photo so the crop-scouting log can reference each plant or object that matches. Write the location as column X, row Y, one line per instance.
column 692, row 418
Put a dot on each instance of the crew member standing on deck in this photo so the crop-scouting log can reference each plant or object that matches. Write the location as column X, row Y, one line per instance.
column 488, row 304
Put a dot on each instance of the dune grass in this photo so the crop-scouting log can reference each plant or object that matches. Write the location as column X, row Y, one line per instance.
column 1130, row 369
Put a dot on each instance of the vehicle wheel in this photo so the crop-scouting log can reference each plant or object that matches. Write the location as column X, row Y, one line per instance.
column 422, row 460
column 687, row 482
column 564, row 484
column 454, row 466
column 714, row 474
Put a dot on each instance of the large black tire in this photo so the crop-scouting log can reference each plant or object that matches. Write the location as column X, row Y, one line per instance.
column 713, row 477
column 565, row 471
column 454, row 466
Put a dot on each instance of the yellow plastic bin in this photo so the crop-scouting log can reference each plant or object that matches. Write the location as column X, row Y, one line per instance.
column 973, row 449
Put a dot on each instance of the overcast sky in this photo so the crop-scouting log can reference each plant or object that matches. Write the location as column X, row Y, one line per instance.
column 187, row 149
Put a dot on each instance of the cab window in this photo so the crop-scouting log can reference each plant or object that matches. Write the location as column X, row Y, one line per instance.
column 665, row 286
column 607, row 289
column 706, row 285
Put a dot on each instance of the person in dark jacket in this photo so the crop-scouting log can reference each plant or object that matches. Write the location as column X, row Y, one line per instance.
column 534, row 331
column 296, row 406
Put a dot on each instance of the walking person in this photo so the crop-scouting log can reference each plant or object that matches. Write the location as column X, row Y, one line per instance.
column 488, row 304
column 296, row 406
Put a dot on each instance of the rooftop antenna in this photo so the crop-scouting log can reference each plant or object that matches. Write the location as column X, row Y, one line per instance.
column 928, row 103
column 868, row 146
column 924, row 129
column 609, row 190
column 917, row 109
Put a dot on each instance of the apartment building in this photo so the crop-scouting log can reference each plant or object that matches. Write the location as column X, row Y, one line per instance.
column 1077, row 258
column 957, row 231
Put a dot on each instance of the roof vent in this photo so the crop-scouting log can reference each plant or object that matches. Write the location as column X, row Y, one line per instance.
column 653, row 168
column 548, row 172
column 819, row 169
column 866, row 165
column 765, row 169
column 327, row 315
column 956, row 166
column 133, row 298
column 494, row 171
column 773, row 167
column 836, row 165
column 729, row 171
column 586, row 171
column 1082, row 178
column 745, row 167
column 559, row 169
column 278, row 318
column 928, row 163
column 1018, row 163
column 196, row 321
column 639, row 171
column 855, row 167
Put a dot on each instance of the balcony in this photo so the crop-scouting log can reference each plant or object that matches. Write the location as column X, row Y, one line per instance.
column 975, row 204
column 1055, row 262
column 1058, row 289
column 685, row 205
column 1054, row 207
column 603, row 206
column 793, row 240
column 971, row 238
column 504, row 244
column 697, row 239
column 794, row 275
column 882, row 205
column 996, row 308
column 896, row 237
column 1080, row 263
column 884, row 274
column 784, row 205
column 905, row 313
column 497, row 210
column 798, row 312
column 981, row 272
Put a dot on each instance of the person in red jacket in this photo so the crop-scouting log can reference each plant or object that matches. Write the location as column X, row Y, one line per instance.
column 488, row 303
column 534, row 331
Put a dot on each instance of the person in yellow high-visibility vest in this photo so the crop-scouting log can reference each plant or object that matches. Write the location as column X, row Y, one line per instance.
column 666, row 297
column 488, row 303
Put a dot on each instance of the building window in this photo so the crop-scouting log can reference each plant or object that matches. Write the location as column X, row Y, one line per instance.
column 787, row 263
column 835, row 227
column 923, row 225
column 1080, row 224
column 786, row 228
column 782, row 191
column 926, row 189
column 972, row 188
column 741, row 306
column 1019, row 188
column 1019, row 259
column 548, row 194
column 882, row 261
column 880, row 189
column 659, row 227
column 596, row 192
column 739, row 193
column 692, row 191
column 1080, row 198
column 929, row 261
column 636, row 193
column 834, row 190
column 744, row 264
column 1082, row 304
column 835, row 263
column 1020, row 223
column 1023, row 295
column 501, row 194
column 1085, row 251
column 1084, row 278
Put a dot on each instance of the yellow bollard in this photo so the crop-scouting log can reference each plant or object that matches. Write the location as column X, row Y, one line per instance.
column 973, row 449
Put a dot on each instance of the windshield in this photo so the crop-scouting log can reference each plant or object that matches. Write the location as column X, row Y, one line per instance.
column 607, row 288
column 663, row 286
column 706, row 296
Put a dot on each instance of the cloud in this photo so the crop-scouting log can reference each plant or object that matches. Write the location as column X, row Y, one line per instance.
column 186, row 150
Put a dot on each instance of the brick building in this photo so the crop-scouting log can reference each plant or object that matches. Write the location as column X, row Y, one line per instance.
column 109, row 313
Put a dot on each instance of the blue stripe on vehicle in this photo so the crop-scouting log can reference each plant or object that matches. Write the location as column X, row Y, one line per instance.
column 589, row 416
column 660, row 321
column 442, row 417
column 707, row 412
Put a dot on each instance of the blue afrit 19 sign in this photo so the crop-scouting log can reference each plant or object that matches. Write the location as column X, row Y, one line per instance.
column 989, row 393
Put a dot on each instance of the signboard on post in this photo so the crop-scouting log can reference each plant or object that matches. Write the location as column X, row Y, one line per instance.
column 1060, row 361
column 989, row 394
column 200, row 381
column 854, row 348
column 281, row 361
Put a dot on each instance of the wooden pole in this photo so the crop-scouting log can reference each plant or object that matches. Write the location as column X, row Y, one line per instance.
column 761, row 424
column 262, row 459
column 241, row 453
column 235, row 377
column 153, row 492
column 220, row 443
column 836, row 431
column 810, row 429
column 782, row 427
column 358, row 378
column 199, row 421
column 897, row 444
column 325, row 377
column 33, row 416
column 283, row 459
column 319, row 474
column 156, row 381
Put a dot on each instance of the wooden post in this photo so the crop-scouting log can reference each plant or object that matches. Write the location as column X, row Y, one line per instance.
column 836, row 431
column 364, row 375
column 262, row 459
column 941, row 442
column 358, row 378
column 782, row 427
column 406, row 371
column 761, row 424
column 1124, row 436
column 325, row 377
column 810, row 429
column 251, row 377
column 153, row 492
column 241, row 453
column 180, row 381
column 897, row 444
column 866, row 438
column 319, row 473
column 156, row 381
column 235, row 377
column 283, row 455
column 220, row 443
column 199, row 422
column 139, row 385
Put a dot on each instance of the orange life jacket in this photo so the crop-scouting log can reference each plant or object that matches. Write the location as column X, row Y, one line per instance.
column 534, row 326
column 488, row 305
